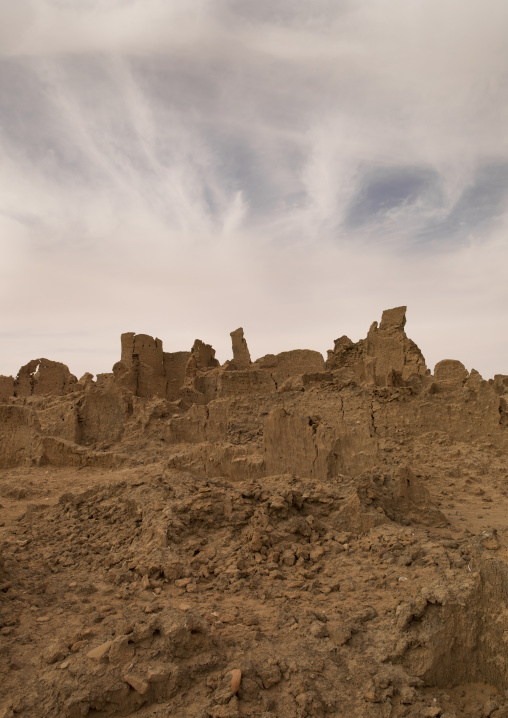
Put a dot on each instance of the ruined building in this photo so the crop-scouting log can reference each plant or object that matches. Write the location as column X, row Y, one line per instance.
column 285, row 537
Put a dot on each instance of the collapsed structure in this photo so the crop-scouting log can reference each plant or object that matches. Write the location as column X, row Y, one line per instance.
column 298, row 494
column 376, row 390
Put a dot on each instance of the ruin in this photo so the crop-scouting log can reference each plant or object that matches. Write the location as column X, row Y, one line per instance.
column 277, row 537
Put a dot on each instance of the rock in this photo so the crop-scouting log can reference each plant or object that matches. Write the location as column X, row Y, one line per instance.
column 372, row 694
column 236, row 677
column 140, row 685
column 100, row 653
column 288, row 558
column 158, row 675
column 270, row 674
column 54, row 653
column 231, row 710
column 432, row 712
column 319, row 630
column 121, row 651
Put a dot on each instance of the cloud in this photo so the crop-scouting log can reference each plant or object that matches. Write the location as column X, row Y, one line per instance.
column 186, row 168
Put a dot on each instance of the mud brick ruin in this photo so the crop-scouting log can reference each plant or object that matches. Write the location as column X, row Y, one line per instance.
column 284, row 537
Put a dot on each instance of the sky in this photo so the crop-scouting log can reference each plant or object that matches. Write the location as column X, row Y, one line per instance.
column 181, row 169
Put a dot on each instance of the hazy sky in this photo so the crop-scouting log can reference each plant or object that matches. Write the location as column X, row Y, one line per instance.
column 181, row 168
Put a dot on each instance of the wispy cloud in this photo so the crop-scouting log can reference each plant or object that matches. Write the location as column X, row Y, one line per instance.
column 185, row 168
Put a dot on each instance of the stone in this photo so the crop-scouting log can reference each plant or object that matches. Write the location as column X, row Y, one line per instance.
column 319, row 630
column 270, row 674
column 158, row 675
column 140, row 685
column 236, row 678
column 121, row 651
column 54, row 653
column 431, row 712
column 261, row 501
column 100, row 653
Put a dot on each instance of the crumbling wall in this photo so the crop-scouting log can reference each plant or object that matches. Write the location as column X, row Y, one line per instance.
column 58, row 417
column 175, row 364
column 385, row 357
column 147, row 371
column 348, row 357
column 292, row 363
column 206, row 381
column 450, row 372
column 392, row 350
column 376, row 390
column 6, row 387
column 465, row 409
column 200, row 383
column 500, row 386
column 196, row 377
column 20, row 438
column 241, row 354
column 141, row 368
column 43, row 376
column 102, row 414
column 202, row 359
column 309, row 446
column 243, row 383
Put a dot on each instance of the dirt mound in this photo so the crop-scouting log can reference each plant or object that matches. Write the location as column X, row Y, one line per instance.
column 279, row 537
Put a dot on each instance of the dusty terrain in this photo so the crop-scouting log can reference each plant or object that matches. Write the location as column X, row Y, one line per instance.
column 288, row 537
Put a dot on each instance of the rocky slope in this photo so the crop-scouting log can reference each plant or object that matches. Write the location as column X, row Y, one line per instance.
column 284, row 537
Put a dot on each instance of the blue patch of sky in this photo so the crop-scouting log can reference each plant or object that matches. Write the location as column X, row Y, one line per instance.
column 384, row 189
column 479, row 204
